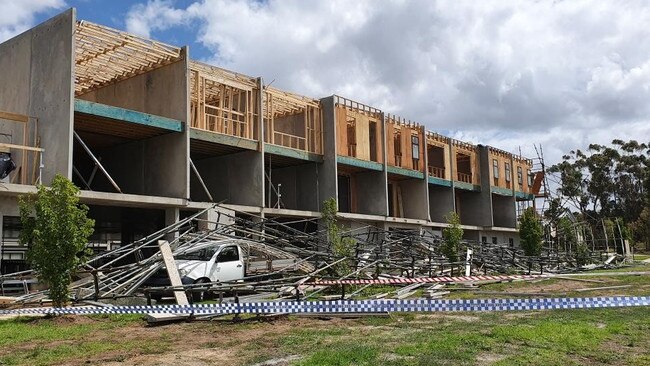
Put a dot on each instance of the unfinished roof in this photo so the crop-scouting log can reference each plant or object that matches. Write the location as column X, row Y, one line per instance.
column 284, row 103
column 354, row 105
column 434, row 136
column 105, row 55
column 462, row 145
column 506, row 154
column 221, row 76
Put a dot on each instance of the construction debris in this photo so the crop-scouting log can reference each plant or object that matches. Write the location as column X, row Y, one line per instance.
column 287, row 263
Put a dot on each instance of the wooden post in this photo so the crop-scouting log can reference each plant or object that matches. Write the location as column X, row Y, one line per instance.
column 172, row 271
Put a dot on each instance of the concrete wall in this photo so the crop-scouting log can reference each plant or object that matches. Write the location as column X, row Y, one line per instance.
column 470, row 207
column 504, row 212
column 163, row 92
column 298, row 187
column 234, row 179
column 371, row 193
column 502, row 237
column 441, row 202
column 142, row 167
column 433, row 231
column 327, row 172
column 414, row 199
column 36, row 79
column 8, row 207
column 472, row 235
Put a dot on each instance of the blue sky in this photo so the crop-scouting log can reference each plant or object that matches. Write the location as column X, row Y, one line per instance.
column 114, row 13
column 506, row 73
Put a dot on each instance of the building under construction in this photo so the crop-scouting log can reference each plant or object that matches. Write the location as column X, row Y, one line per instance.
column 151, row 136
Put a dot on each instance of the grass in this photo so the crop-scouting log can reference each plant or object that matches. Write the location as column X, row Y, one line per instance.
column 45, row 341
column 558, row 337
column 561, row 337
column 636, row 267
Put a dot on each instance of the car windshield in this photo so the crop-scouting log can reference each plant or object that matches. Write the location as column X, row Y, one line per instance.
column 204, row 254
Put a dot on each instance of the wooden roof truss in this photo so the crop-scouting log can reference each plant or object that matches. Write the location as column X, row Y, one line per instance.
column 104, row 55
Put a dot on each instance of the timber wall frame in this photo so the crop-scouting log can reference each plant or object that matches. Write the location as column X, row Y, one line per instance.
column 79, row 69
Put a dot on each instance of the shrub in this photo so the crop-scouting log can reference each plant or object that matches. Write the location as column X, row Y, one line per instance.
column 531, row 233
column 452, row 237
column 56, row 230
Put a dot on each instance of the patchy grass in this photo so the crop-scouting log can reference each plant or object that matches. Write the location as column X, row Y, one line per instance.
column 558, row 337
column 564, row 337
column 561, row 337
column 636, row 266
column 46, row 341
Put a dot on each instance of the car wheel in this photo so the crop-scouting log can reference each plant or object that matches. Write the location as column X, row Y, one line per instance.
column 199, row 296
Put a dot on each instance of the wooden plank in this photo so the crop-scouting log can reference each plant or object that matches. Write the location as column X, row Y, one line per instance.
column 174, row 277
column 363, row 139
column 390, row 146
column 14, row 117
column 602, row 288
column 21, row 147
column 172, row 271
column 341, row 131
column 7, row 299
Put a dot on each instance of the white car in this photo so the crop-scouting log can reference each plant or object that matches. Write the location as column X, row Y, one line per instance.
column 220, row 262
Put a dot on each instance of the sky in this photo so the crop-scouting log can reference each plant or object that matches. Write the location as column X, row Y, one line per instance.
column 510, row 74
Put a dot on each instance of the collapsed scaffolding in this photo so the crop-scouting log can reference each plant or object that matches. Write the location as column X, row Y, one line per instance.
column 279, row 257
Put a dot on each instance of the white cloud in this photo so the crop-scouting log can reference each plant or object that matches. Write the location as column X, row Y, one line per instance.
column 154, row 15
column 506, row 73
column 17, row 16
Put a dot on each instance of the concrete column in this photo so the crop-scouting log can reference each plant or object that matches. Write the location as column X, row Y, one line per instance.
column 215, row 216
column 211, row 216
column 485, row 205
column 385, row 152
column 260, row 137
column 327, row 171
column 452, row 173
column 172, row 216
column 426, row 169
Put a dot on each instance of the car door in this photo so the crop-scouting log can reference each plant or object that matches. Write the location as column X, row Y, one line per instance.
column 228, row 264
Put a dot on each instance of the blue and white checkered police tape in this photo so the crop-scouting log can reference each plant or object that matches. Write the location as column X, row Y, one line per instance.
column 353, row 306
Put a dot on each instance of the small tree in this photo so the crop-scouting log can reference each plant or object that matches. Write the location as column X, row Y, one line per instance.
column 56, row 229
column 451, row 236
column 566, row 232
column 581, row 254
column 340, row 246
column 531, row 233
column 640, row 229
